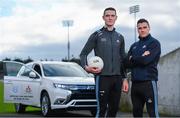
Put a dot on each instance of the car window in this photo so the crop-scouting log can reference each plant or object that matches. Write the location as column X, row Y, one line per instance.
column 26, row 69
column 67, row 70
column 11, row 68
column 26, row 72
column 38, row 69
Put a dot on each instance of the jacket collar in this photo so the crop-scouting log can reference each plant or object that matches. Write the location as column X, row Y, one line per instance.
column 105, row 29
column 145, row 38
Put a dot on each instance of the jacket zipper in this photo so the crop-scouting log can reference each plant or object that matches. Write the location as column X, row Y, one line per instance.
column 111, row 51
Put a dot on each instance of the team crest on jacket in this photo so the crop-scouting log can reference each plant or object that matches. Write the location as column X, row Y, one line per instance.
column 103, row 39
column 144, row 46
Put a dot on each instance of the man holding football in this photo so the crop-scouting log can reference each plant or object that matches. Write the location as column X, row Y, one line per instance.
column 109, row 45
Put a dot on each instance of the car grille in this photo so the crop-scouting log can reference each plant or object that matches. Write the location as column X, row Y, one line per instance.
column 85, row 103
column 83, row 94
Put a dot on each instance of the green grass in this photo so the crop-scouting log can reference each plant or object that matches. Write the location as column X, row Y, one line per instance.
column 9, row 107
column 4, row 107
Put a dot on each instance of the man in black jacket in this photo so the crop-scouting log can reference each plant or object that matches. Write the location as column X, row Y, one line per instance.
column 109, row 45
column 143, row 58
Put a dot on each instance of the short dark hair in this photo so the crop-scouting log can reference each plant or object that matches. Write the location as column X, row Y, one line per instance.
column 142, row 20
column 109, row 8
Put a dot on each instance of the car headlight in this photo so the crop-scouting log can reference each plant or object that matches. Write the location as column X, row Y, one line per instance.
column 74, row 87
column 65, row 86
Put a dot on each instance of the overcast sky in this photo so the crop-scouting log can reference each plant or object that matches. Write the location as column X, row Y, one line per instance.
column 34, row 27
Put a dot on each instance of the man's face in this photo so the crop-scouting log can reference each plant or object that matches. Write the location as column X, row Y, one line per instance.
column 143, row 29
column 110, row 17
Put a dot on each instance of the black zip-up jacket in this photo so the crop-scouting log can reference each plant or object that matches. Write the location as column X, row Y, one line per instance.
column 109, row 45
column 144, row 67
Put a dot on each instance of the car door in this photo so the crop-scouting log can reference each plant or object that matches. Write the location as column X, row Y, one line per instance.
column 30, row 86
column 12, row 88
column 19, row 87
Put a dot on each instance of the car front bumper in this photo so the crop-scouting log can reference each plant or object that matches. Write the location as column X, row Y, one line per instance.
column 77, row 99
column 78, row 103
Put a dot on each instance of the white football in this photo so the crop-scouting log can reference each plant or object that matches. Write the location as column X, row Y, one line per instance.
column 96, row 62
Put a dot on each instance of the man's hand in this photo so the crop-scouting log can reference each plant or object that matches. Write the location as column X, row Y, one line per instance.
column 125, row 86
column 146, row 53
column 93, row 70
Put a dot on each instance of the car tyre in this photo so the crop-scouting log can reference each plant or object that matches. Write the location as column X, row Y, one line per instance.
column 19, row 108
column 45, row 105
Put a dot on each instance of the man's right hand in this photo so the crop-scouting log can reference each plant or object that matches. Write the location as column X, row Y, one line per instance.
column 93, row 70
column 125, row 86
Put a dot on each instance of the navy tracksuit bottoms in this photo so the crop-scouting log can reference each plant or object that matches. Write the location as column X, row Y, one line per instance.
column 144, row 92
column 108, row 92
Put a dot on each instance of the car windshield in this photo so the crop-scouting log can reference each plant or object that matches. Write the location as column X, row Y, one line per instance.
column 67, row 70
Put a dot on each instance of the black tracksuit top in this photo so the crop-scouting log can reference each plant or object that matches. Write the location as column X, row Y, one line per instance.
column 109, row 45
column 145, row 67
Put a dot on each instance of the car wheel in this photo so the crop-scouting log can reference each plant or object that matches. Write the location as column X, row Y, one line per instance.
column 45, row 105
column 93, row 112
column 19, row 108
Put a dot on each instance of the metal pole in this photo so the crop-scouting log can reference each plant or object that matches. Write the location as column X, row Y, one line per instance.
column 135, row 26
column 134, row 9
column 68, row 45
column 68, row 23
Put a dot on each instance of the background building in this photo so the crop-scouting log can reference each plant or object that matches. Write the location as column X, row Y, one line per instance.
column 169, row 83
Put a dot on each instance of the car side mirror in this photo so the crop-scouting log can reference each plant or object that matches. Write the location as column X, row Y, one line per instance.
column 32, row 74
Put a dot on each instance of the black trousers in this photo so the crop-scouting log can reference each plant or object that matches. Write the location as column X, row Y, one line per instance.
column 108, row 92
column 144, row 92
